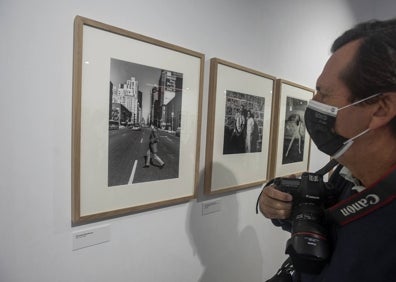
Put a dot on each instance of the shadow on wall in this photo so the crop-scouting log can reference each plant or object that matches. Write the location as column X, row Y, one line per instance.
column 226, row 253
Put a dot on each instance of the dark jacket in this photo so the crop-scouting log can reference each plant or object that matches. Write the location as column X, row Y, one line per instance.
column 365, row 249
column 154, row 140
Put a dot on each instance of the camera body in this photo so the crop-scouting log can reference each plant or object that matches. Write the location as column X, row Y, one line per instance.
column 308, row 246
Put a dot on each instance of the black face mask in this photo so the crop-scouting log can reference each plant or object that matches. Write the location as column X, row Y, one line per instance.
column 320, row 122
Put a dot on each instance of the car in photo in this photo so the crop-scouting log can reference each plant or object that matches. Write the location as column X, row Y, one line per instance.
column 113, row 125
column 135, row 127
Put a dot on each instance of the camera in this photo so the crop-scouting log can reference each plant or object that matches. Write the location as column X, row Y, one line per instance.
column 308, row 246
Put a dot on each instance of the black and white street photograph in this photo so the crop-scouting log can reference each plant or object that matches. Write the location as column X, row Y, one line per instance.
column 244, row 115
column 144, row 123
column 294, row 133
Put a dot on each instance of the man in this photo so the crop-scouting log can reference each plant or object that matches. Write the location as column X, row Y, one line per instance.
column 358, row 84
column 237, row 135
column 153, row 148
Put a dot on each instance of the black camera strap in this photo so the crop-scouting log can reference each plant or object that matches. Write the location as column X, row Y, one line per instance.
column 329, row 166
column 369, row 200
column 262, row 190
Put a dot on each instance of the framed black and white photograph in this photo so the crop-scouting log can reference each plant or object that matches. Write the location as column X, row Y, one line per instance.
column 291, row 148
column 243, row 123
column 145, row 101
column 239, row 127
column 137, row 105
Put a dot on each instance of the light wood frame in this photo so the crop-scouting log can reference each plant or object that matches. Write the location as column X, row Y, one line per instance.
column 94, row 44
column 282, row 165
column 226, row 170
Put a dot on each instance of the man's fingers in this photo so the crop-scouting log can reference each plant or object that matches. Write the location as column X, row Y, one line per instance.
column 275, row 204
column 276, row 194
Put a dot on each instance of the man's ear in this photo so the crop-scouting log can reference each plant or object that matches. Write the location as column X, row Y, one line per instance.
column 384, row 111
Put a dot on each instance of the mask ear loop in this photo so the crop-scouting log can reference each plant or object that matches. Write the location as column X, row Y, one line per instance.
column 348, row 144
column 360, row 101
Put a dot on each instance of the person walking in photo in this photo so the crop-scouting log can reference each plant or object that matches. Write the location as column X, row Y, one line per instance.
column 153, row 148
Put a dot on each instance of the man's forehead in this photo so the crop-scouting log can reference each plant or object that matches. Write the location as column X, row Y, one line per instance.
column 329, row 80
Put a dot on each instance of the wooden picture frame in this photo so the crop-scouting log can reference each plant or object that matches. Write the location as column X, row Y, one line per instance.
column 233, row 161
column 291, row 144
column 122, row 83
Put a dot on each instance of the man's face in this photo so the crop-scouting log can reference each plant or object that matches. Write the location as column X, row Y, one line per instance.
column 331, row 90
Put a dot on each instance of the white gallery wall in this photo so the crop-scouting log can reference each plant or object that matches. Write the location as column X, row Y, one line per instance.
column 286, row 39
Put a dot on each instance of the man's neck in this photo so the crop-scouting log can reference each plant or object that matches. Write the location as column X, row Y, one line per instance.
column 369, row 163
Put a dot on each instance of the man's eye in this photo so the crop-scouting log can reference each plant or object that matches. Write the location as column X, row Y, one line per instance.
column 322, row 95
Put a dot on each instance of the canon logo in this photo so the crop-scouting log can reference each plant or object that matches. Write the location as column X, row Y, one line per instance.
column 369, row 200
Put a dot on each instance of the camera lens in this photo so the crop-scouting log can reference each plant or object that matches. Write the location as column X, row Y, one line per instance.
column 308, row 245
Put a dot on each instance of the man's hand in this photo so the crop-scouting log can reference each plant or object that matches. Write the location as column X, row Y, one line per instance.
column 275, row 204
